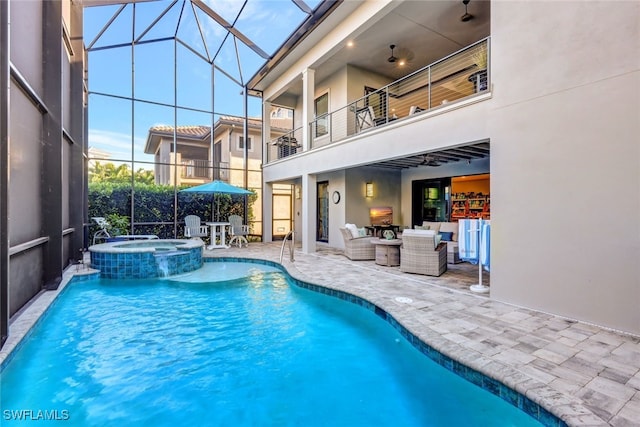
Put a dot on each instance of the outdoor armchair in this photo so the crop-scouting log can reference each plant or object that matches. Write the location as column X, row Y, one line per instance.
column 358, row 248
column 420, row 254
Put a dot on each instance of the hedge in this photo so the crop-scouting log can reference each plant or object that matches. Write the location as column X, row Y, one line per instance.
column 155, row 204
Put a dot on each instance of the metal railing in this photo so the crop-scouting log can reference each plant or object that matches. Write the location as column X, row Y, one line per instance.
column 291, row 234
column 455, row 77
column 284, row 145
column 195, row 168
column 460, row 75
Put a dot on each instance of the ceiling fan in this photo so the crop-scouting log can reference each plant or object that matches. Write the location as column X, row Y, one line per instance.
column 428, row 160
column 392, row 58
column 405, row 56
column 467, row 16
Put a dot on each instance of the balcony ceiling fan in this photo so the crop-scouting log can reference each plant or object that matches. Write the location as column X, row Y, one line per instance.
column 467, row 16
column 405, row 56
column 428, row 160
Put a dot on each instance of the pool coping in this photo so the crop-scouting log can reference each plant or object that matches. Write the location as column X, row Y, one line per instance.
column 506, row 382
column 117, row 247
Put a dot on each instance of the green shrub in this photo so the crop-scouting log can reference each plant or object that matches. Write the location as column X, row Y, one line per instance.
column 155, row 209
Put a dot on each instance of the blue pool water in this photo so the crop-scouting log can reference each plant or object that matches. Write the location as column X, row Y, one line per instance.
column 233, row 344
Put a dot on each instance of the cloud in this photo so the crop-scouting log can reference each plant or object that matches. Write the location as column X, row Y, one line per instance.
column 118, row 144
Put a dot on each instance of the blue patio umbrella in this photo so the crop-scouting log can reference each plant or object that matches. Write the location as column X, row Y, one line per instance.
column 216, row 187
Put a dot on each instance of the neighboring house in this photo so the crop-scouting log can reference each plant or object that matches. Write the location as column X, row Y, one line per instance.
column 194, row 161
column 542, row 96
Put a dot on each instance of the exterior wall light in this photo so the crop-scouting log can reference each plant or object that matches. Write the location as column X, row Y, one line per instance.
column 368, row 190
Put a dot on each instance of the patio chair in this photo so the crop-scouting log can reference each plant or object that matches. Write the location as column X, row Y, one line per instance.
column 421, row 255
column 238, row 231
column 193, row 228
column 102, row 233
column 365, row 118
column 358, row 248
column 415, row 109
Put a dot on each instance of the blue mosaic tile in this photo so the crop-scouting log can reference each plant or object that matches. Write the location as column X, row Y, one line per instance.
column 491, row 385
column 531, row 408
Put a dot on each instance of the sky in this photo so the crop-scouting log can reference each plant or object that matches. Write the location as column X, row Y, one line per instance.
column 267, row 23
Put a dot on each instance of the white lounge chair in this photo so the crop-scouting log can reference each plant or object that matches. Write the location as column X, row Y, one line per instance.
column 193, row 228
column 102, row 233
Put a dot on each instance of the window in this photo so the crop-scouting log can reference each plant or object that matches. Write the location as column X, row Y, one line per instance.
column 241, row 143
column 322, row 114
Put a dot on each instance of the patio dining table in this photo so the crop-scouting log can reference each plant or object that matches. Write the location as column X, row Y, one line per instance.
column 218, row 229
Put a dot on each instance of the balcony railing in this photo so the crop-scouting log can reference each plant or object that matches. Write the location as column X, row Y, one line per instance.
column 284, row 145
column 195, row 169
column 458, row 76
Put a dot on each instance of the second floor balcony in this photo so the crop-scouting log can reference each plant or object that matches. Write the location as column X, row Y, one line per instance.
column 460, row 76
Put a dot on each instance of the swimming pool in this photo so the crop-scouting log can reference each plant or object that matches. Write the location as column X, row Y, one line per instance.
column 232, row 344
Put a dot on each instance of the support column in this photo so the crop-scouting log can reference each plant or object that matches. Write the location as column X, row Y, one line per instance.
column 52, row 140
column 309, row 213
column 308, row 113
column 245, row 151
column 267, row 212
column 266, row 131
column 4, row 171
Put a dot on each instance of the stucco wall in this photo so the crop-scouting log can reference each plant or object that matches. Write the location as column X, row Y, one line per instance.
column 386, row 184
column 565, row 159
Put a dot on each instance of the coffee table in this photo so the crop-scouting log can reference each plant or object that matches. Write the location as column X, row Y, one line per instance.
column 387, row 251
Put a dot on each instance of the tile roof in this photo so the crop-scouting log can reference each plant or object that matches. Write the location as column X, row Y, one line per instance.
column 200, row 132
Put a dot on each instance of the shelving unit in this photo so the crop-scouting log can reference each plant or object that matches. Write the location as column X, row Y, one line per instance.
column 459, row 209
column 470, row 206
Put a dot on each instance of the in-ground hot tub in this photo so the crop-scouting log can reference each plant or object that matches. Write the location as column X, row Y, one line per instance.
column 144, row 259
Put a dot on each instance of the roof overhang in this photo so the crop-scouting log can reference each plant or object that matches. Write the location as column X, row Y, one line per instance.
column 300, row 34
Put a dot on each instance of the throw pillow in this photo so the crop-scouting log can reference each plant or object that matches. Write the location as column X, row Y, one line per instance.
column 352, row 229
column 420, row 227
column 450, row 227
column 447, row 236
column 362, row 232
column 432, row 225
